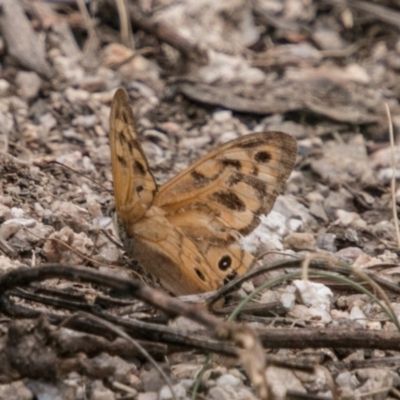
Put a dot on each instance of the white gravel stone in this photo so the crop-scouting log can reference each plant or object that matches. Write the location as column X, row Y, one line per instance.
column 99, row 392
column 179, row 390
column 28, row 84
column 12, row 226
column 228, row 380
column 217, row 393
column 17, row 212
column 288, row 300
column 358, row 315
column 15, row 390
column 269, row 233
column 222, row 116
column 4, row 86
column 5, row 212
column 148, row 396
column 77, row 96
column 314, row 294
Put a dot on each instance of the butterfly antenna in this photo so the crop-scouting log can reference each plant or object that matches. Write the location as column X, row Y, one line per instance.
column 81, row 174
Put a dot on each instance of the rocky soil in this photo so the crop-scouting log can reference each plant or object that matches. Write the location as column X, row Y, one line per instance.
column 200, row 73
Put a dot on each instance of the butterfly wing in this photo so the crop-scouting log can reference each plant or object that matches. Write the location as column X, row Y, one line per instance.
column 187, row 234
column 134, row 185
column 220, row 197
column 233, row 185
column 161, row 248
column 170, row 255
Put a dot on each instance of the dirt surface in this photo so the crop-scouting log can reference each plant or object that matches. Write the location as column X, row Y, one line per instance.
column 200, row 73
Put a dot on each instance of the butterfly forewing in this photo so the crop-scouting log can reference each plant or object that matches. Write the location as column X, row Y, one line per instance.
column 232, row 185
column 134, row 185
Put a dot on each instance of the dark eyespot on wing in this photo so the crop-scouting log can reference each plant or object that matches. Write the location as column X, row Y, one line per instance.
column 225, row 262
column 122, row 161
column 139, row 189
column 200, row 274
column 232, row 163
column 229, row 200
column 263, row 157
column 139, row 168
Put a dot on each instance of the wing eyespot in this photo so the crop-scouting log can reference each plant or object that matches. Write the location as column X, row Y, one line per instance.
column 263, row 157
column 225, row 262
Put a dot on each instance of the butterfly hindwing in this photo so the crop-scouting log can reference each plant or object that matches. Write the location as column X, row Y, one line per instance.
column 169, row 255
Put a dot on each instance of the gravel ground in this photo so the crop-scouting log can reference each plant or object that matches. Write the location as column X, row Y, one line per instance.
column 198, row 74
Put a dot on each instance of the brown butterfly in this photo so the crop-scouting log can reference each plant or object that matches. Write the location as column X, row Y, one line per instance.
column 186, row 232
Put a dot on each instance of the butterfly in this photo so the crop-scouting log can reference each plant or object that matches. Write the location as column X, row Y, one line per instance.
column 186, row 232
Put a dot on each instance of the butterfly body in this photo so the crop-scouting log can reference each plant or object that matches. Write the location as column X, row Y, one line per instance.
column 186, row 232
